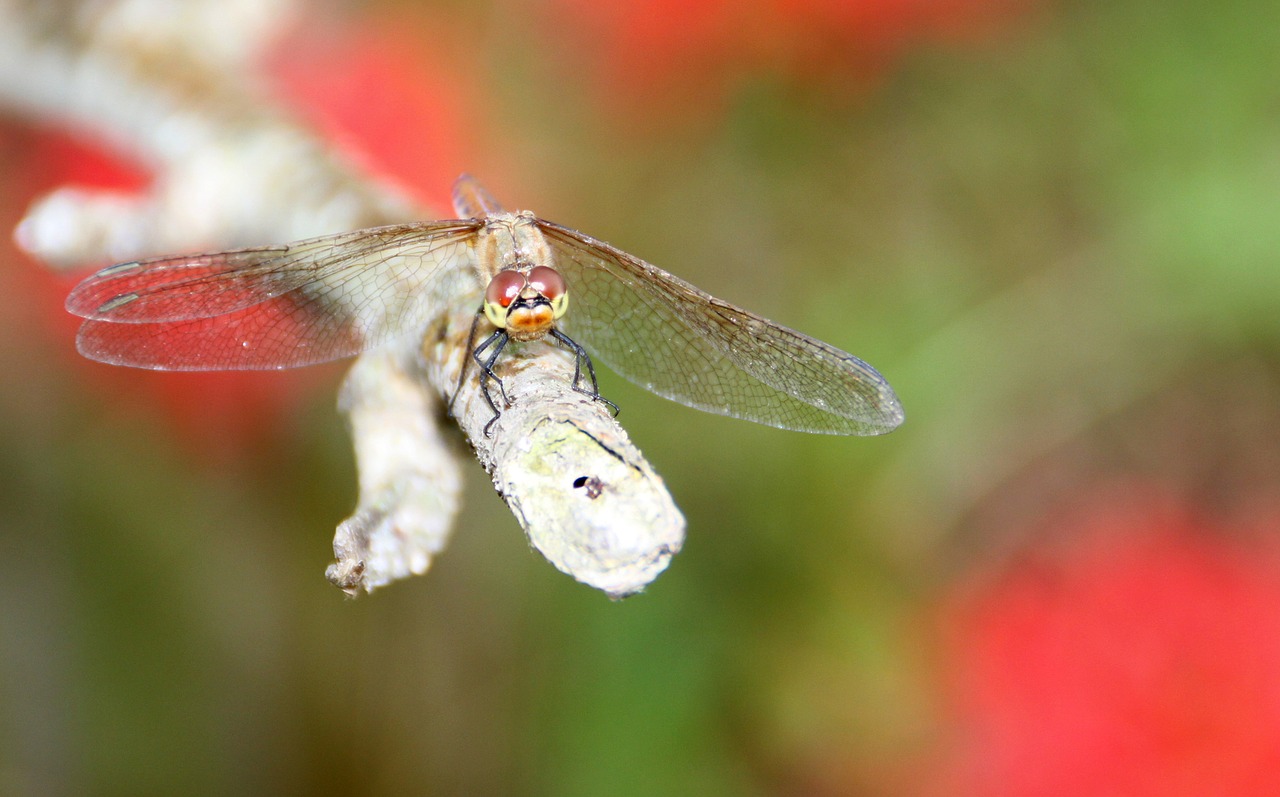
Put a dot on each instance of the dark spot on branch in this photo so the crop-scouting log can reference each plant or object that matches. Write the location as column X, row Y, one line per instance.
column 592, row 485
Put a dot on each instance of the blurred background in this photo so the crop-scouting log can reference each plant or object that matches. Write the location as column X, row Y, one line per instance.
column 1053, row 226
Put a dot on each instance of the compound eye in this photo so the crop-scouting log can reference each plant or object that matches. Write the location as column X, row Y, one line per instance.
column 547, row 281
column 504, row 288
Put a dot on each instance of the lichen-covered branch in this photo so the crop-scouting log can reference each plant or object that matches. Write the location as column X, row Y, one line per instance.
column 174, row 85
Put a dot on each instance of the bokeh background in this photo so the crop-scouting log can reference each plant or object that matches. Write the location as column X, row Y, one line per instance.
column 1054, row 226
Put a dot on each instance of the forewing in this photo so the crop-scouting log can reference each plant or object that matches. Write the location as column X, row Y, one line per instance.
column 683, row 344
column 274, row 307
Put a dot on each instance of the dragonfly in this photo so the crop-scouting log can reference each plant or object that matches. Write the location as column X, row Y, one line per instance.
column 311, row 301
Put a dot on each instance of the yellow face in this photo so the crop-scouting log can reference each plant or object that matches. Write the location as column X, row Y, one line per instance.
column 526, row 306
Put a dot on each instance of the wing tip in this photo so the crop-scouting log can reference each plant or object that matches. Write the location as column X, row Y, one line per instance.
column 873, row 417
column 85, row 299
column 890, row 415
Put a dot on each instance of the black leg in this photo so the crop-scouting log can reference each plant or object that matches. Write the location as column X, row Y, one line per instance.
column 499, row 341
column 580, row 356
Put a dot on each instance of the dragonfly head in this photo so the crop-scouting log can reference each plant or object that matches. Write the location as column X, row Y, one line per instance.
column 526, row 305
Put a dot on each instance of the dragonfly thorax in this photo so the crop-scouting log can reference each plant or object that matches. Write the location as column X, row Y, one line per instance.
column 510, row 240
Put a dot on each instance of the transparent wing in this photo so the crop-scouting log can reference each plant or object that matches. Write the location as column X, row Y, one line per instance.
column 275, row 306
column 683, row 344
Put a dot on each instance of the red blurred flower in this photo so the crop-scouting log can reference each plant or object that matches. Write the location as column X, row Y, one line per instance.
column 1136, row 654
column 660, row 54
column 866, row 37
column 394, row 93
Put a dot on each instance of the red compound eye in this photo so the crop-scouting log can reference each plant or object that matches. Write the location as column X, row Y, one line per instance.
column 547, row 281
column 504, row 288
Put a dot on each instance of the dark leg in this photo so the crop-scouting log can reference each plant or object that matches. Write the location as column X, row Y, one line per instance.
column 580, row 356
column 499, row 341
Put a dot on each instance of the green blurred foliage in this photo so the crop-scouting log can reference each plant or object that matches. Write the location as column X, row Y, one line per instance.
column 1031, row 234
